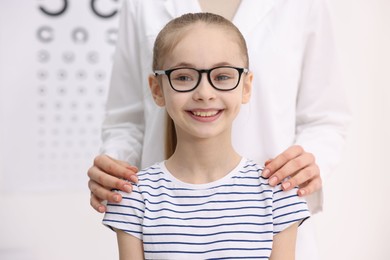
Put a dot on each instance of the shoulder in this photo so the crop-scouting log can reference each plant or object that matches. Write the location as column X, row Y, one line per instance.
column 153, row 177
column 154, row 171
column 251, row 167
column 251, row 170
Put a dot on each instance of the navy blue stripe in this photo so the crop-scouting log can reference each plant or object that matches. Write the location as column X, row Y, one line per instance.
column 124, row 214
column 254, row 201
column 285, row 198
column 213, row 187
column 151, row 168
column 210, row 251
column 125, row 206
column 257, row 171
column 204, row 196
column 246, row 177
column 288, row 222
column 209, row 226
column 152, row 180
column 239, row 257
column 122, row 222
column 291, row 213
column 210, row 234
column 207, row 210
column 209, row 243
column 147, row 172
column 250, row 164
column 164, row 187
column 290, row 205
column 133, row 199
column 209, row 218
column 278, row 191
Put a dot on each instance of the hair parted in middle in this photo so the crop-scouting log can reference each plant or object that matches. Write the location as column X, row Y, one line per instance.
column 170, row 36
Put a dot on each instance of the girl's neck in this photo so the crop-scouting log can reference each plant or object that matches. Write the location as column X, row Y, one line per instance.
column 202, row 161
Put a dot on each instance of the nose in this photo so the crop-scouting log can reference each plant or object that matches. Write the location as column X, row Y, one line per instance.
column 204, row 91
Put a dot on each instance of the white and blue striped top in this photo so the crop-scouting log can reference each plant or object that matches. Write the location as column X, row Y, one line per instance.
column 235, row 217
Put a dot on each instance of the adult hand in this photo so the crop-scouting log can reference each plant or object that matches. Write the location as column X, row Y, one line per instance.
column 107, row 174
column 298, row 164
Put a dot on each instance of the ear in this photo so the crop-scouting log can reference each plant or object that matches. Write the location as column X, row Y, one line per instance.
column 156, row 90
column 247, row 87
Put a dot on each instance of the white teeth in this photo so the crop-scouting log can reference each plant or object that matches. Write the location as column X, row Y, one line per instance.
column 204, row 113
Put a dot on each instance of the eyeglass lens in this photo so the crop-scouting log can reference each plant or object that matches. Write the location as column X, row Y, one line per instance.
column 223, row 78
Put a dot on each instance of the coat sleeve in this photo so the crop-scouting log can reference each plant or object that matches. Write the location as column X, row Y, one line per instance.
column 322, row 115
column 123, row 125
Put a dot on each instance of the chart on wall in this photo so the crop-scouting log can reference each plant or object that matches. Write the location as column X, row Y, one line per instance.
column 56, row 58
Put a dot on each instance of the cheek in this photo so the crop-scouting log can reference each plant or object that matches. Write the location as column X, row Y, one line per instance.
column 235, row 99
column 173, row 104
column 235, row 104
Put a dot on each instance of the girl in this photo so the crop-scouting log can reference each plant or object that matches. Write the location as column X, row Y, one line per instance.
column 205, row 200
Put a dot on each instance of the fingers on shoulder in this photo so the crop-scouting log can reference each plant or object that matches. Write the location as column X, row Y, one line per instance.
column 282, row 159
column 305, row 175
column 97, row 204
column 310, row 187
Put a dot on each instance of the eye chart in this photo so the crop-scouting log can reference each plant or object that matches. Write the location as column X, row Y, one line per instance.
column 55, row 64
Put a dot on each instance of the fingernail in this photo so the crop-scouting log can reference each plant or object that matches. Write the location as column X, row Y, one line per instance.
column 286, row 185
column 266, row 173
column 133, row 169
column 134, row 178
column 127, row 188
column 273, row 181
column 116, row 198
column 301, row 192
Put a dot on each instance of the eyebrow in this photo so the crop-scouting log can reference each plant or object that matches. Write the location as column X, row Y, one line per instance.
column 190, row 65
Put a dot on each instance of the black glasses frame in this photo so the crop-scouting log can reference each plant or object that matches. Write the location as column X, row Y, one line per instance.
column 168, row 73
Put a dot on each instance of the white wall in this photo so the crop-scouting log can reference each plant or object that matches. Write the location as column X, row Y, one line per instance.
column 60, row 224
column 51, row 104
column 355, row 222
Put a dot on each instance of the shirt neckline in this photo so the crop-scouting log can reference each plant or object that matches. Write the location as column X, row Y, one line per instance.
column 208, row 185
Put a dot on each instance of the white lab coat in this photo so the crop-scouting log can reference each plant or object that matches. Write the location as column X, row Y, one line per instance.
column 297, row 96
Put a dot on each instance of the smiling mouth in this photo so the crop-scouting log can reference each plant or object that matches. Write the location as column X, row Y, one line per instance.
column 205, row 113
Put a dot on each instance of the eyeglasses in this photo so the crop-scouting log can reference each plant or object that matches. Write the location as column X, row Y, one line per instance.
column 223, row 78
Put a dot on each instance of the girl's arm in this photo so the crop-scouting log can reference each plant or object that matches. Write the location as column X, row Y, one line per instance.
column 130, row 247
column 284, row 244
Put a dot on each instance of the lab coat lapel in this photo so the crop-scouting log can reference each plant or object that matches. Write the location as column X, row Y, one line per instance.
column 247, row 19
column 176, row 8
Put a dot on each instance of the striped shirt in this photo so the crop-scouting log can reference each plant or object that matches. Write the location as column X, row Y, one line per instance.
column 234, row 217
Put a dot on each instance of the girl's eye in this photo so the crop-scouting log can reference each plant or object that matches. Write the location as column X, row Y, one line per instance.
column 183, row 78
column 222, row 77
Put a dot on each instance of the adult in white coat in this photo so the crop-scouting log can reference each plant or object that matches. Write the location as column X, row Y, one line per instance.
column 297, row 104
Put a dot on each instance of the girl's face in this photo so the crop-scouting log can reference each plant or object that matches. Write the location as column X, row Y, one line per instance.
column 205, row 111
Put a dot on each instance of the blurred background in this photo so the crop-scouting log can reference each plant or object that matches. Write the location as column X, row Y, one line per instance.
column 55, row 61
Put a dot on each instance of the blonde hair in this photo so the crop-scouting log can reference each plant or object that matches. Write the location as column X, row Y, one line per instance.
column 166, row 41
